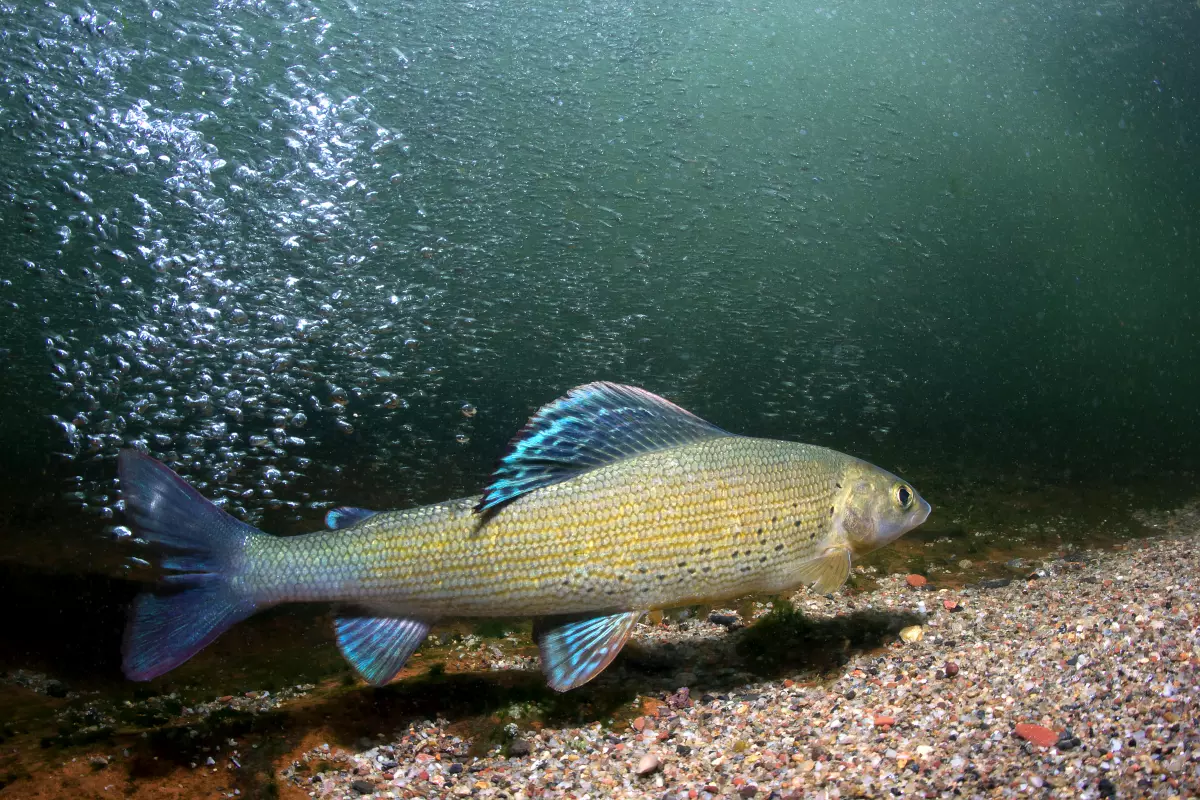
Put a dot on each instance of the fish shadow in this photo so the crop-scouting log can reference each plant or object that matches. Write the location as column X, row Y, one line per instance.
column 478, row 706
column 784, row 643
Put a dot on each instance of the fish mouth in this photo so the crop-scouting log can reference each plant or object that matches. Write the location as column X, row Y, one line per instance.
column 922, row 513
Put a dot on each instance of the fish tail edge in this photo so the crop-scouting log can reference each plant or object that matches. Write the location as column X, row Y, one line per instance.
column 204, row 549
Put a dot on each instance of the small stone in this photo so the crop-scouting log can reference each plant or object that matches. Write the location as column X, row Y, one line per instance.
column 1037, row 734
column 995, row 583
column 362, row 787
column 951, row 669
column 1106, row 788
column 56, row 688
column 1067, row 741
column 916, row 581
column 748, row 791
column 456, row 768
column 729, row 621
column 882, row 721
column 639, row 724
column 952, row 605
column 649, row 763
column 966, row 563
column 518, row 748
column 913, row 633
column 98, row 762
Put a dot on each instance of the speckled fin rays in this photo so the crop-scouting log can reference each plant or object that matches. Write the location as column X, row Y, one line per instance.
column 377, row 647
column 591, row 426
column 828, row 571
column 575, row 650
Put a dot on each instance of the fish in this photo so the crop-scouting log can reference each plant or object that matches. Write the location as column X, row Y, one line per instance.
column 610, row 502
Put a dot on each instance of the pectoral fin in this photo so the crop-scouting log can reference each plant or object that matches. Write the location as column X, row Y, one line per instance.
column 828, row 571
column 576, row 649
column 377, row 647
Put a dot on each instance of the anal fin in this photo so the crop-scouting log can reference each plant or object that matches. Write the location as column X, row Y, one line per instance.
column 576, row 649
column 377, row 647
column 828, row 571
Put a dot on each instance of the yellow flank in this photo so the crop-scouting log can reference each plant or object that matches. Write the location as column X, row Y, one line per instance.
column 705, row 521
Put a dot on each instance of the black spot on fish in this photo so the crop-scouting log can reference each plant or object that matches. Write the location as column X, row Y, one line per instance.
column 706, row 570
column 736, row 553
column 643, row 570
column 838, row 485
column 662, row 577
column 683, row 563
column 691, row 570
column 799, row 522
column 760, row 530
column 774, row 519
column 762, row 560
column 778, row 547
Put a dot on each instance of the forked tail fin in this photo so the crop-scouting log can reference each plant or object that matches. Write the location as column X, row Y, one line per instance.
column 204, row 554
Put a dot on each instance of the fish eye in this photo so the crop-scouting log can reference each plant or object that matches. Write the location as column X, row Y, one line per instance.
column 904, row 496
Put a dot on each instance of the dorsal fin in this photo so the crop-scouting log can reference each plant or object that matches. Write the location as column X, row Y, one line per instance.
column 592, row 425
column 346, row 516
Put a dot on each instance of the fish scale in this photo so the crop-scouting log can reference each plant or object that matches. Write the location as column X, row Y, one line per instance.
column 610, row 502
column 698, row 522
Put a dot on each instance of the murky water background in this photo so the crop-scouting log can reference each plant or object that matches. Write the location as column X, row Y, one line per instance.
column 314, row 252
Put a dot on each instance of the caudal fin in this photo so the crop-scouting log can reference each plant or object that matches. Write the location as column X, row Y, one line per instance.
column 203, row 548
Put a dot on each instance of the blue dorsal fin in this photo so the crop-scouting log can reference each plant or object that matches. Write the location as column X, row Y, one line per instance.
column 346, row 517
column 377, row 647
column 593, row 425
column 575, row 650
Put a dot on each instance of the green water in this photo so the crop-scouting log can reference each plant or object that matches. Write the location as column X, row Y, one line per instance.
column 280, row 245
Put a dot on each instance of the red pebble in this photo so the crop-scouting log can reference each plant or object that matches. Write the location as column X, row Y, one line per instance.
column 884, row 722
column 1038, row 734
column 916, row 581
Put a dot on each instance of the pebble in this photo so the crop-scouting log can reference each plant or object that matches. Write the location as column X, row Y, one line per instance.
column 1038, row 734
column 518, row 748
column 916, row 581
column 951, row 669
column 647, row 764
column 913, row 633
column 362, row 787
